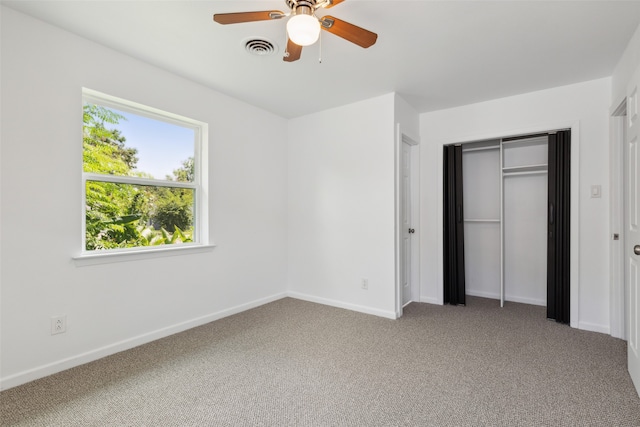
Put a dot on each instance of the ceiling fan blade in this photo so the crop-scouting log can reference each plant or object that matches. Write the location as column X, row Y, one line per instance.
column 238, row 17
column 347, row 31
column 333, row 3
column 293, row 52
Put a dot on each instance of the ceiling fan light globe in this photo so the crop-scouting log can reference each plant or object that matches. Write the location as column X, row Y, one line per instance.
column 303, row 30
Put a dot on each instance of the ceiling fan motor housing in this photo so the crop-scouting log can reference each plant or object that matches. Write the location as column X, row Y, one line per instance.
column 301, row 7
column 293, row 4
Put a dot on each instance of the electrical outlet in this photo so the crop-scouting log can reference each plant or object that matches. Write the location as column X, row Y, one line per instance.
column 58, row 324
column 365, row 284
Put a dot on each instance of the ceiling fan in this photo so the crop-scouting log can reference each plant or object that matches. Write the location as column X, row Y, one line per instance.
column 303, row 27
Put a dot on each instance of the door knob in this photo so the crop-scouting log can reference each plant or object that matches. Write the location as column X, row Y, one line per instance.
column 636, row 249
column 412, row 230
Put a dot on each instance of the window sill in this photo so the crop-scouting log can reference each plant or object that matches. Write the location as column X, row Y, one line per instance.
column 107, row 257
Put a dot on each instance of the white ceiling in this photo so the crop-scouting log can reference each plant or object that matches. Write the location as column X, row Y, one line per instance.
column 435, row 54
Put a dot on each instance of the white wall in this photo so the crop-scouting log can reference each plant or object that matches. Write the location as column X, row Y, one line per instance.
column 627, row 64
column 341, row 225
column 114, row 306
column 585, row 104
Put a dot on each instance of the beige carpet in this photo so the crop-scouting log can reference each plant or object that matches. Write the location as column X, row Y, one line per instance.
column 294, row 363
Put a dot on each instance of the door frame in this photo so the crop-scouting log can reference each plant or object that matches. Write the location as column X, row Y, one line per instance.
column 618, row 313
column 401, row 138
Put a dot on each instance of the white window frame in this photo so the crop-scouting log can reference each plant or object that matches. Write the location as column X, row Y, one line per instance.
column 199, row 184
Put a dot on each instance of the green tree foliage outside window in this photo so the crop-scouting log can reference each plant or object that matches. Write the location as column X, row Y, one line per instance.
column 122, row 215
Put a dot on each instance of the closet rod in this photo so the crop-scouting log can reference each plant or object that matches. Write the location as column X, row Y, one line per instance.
column 506, row 174
column 494, row 147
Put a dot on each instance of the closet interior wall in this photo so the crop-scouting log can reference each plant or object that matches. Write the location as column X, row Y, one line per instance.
column 481, row 198
column 505, row 223
column 525, row 185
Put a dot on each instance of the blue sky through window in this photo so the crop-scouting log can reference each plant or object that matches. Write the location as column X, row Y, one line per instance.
column 162, row 146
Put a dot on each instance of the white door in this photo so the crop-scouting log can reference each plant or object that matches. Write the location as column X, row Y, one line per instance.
column 632, row 227
column 407, row 231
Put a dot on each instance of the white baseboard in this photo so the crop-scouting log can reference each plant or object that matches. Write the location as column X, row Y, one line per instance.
column 341, row 304
column 98, row 353
column 492, row 295
column 482, row 294
column 430, row 300
column 586, row 326
column 525, row 300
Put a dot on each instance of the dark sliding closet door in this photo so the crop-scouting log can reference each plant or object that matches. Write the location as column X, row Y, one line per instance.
column 454, row 288
column 559, row 228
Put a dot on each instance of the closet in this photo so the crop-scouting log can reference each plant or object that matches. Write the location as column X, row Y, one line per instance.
column 511, row 238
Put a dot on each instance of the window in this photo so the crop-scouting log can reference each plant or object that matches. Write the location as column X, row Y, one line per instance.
column 143, row 177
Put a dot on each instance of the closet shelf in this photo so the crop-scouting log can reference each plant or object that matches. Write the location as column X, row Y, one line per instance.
column 524, row 169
